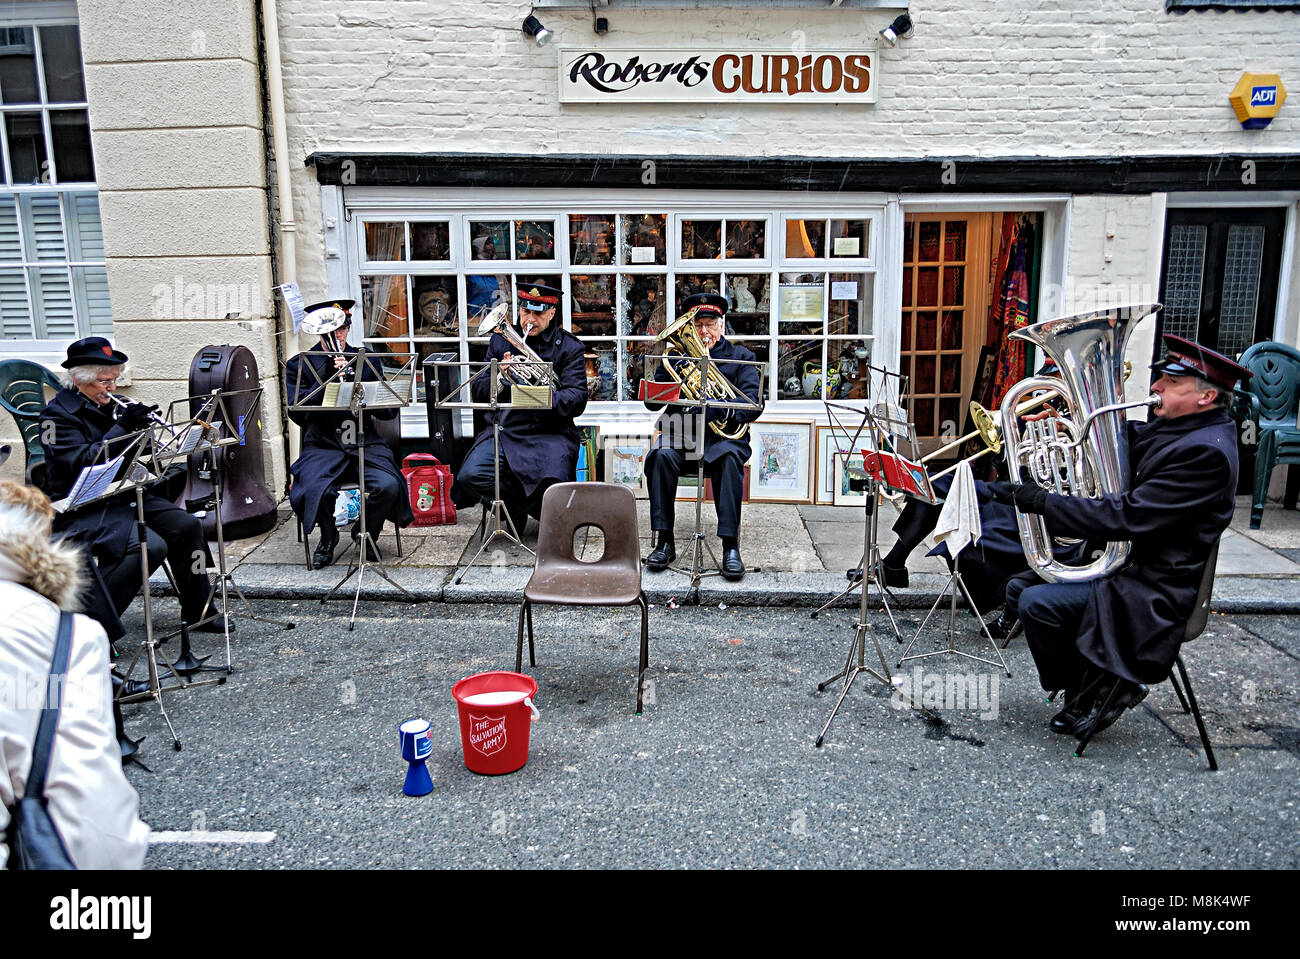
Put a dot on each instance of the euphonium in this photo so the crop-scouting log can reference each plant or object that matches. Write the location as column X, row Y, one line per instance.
column 683, row 339
column 1085, row 451
column 498, row 321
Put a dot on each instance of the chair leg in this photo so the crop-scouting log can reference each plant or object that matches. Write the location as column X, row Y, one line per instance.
column 306, row 545
column 519, row 645
column 532, row 657
column 1087, row 737
column 1173, row 681
column 397, row 532
column 1265, row 459
column 645, row 649
column 1196, row 711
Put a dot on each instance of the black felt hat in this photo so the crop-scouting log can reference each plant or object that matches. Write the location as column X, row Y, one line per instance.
column 93, row 351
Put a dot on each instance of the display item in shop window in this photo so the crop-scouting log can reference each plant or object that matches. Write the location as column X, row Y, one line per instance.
column 741, row 297
column 793, row 387
column 592, row 363
column 436, row 313
column 607, row 365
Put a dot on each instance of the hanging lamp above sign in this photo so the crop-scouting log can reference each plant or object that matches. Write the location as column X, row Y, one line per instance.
column 716, row 76
column 1256, row 99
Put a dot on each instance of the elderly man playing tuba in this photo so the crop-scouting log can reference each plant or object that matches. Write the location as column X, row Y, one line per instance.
column 1125, row 629
column 538, row 447
column 724, row 445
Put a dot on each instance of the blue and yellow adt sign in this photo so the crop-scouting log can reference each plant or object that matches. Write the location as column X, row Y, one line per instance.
column 1256, row 99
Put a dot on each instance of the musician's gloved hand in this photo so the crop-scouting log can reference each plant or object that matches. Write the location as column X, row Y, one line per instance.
column 136, row 416
column 1001, row 492
column 1030, row 497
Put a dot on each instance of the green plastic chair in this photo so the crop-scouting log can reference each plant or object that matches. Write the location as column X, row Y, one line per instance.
column 22, row 393
column 1275, row 391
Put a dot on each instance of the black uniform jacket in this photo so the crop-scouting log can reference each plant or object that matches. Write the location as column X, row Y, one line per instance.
column 540, row 446
column 325, row 457
column 73, row 431
column 1183, row 476
column 678, row 425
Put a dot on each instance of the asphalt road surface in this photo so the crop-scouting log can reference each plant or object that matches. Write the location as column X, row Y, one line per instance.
column 294, row 762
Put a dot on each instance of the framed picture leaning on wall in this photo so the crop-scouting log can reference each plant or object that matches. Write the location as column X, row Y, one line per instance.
column 781, row 467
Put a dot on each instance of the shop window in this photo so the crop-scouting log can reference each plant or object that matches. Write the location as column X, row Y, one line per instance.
column 53, row 285
column 822, row 239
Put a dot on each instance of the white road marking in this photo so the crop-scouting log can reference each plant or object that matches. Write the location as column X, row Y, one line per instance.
column 203, row 836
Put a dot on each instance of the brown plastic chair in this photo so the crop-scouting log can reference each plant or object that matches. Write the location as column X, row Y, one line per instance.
column 561, row 579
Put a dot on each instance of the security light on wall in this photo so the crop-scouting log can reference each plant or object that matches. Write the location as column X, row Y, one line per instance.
column 533, row 27
column 901, row 27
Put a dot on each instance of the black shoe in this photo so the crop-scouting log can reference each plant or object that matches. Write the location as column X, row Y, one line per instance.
column 855, row 574
column 894, row 575
column 1001, row 627
column 1128, row 695
column 324, row 554
column 733, row 567
column 661, row 557
column 1076, row 710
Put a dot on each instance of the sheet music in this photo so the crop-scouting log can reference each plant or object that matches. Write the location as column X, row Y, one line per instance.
column 93, row 482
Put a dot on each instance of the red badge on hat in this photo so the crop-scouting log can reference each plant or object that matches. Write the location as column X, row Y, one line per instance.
column 107, row 350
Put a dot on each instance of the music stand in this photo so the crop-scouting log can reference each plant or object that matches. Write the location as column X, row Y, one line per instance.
column 954, row 585
column 136, row 453
column 228, row 430
column 704, row 403
column 886, row 426
column 347, row 388
column 521, row 397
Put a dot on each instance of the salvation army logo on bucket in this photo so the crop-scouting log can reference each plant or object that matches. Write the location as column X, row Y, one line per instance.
column 487, row 734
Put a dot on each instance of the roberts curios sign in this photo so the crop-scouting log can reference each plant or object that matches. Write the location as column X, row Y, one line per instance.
column 716, row 76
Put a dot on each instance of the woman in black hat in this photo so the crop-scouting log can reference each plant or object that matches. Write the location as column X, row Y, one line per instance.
column 74, row 429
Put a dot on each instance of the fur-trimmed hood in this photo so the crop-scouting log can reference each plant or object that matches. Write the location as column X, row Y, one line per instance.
column 30, row 558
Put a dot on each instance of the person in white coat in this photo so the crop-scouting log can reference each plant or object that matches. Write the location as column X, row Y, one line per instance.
column 93, row 806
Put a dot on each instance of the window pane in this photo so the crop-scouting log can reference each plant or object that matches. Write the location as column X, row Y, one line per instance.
column 852, row 368
column 950, row 374
column 644, row 239
column 850, row 310
column 951, row 335
column 435, row 305
column 954, row 286
column 701, row 239
column 954, row 240
column 70, row 130
column 929, row 246
column 746, row 239
column 27, row 154
column 592, row 303
column 591, row 239
column 688, row 284
column 805, row 239
column 429, row 241
column 15, row 311
column 18, row 66
column 927, row 285
column 91, row 285
column 643, row 305
column 534, row 239
column 632, row 357
column 383, row 306
column 602, row 370
column 482, row 292
column 849, row 238
column 61, row 51
column 750, row 311
column 386, row 241
column 489, row 239
column 926, row 328
column 799, row 368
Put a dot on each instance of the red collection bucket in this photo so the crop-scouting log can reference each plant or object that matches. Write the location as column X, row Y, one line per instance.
column 496, row 717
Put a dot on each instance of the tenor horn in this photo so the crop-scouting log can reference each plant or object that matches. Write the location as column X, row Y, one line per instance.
column 1084, row 452
column 498, row 321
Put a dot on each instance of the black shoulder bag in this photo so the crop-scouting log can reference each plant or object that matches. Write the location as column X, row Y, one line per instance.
column 34, row 840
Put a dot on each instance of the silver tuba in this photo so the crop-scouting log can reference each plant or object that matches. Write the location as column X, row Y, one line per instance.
column 498, row 321
column 1084, row 452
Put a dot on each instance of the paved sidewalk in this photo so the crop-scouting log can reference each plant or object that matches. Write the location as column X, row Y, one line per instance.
column 802, row 552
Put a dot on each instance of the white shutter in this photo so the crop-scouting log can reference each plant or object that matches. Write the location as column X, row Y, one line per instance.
column 10, row 243
column 52, row 294
column 90, row 284
column 45, row 224
column 15, row 311
column 86, row 232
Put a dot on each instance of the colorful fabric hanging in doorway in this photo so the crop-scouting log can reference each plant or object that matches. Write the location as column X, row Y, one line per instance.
column 1010, row 314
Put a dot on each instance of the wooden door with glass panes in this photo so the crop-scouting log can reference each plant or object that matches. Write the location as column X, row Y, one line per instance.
column 945, row 316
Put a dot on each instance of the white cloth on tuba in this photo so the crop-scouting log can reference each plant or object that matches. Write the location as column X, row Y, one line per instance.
column 959, row 520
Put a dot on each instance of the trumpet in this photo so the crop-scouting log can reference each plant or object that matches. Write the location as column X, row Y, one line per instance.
column 125, row 403
column 498, row 321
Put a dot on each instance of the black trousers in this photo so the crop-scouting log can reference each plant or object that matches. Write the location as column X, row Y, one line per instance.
column 474, row 484
column 663, row 467
column 1050, row 614
column 383, row 492
column 173, row 533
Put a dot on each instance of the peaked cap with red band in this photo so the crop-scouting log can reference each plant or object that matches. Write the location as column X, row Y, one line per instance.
column 1186, row 358
column 539, row 298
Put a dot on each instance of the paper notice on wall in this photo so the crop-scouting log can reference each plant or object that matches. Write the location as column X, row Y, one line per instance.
column 643, row 254
column 844, row 290
column 847, row 246
column 293, row 300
